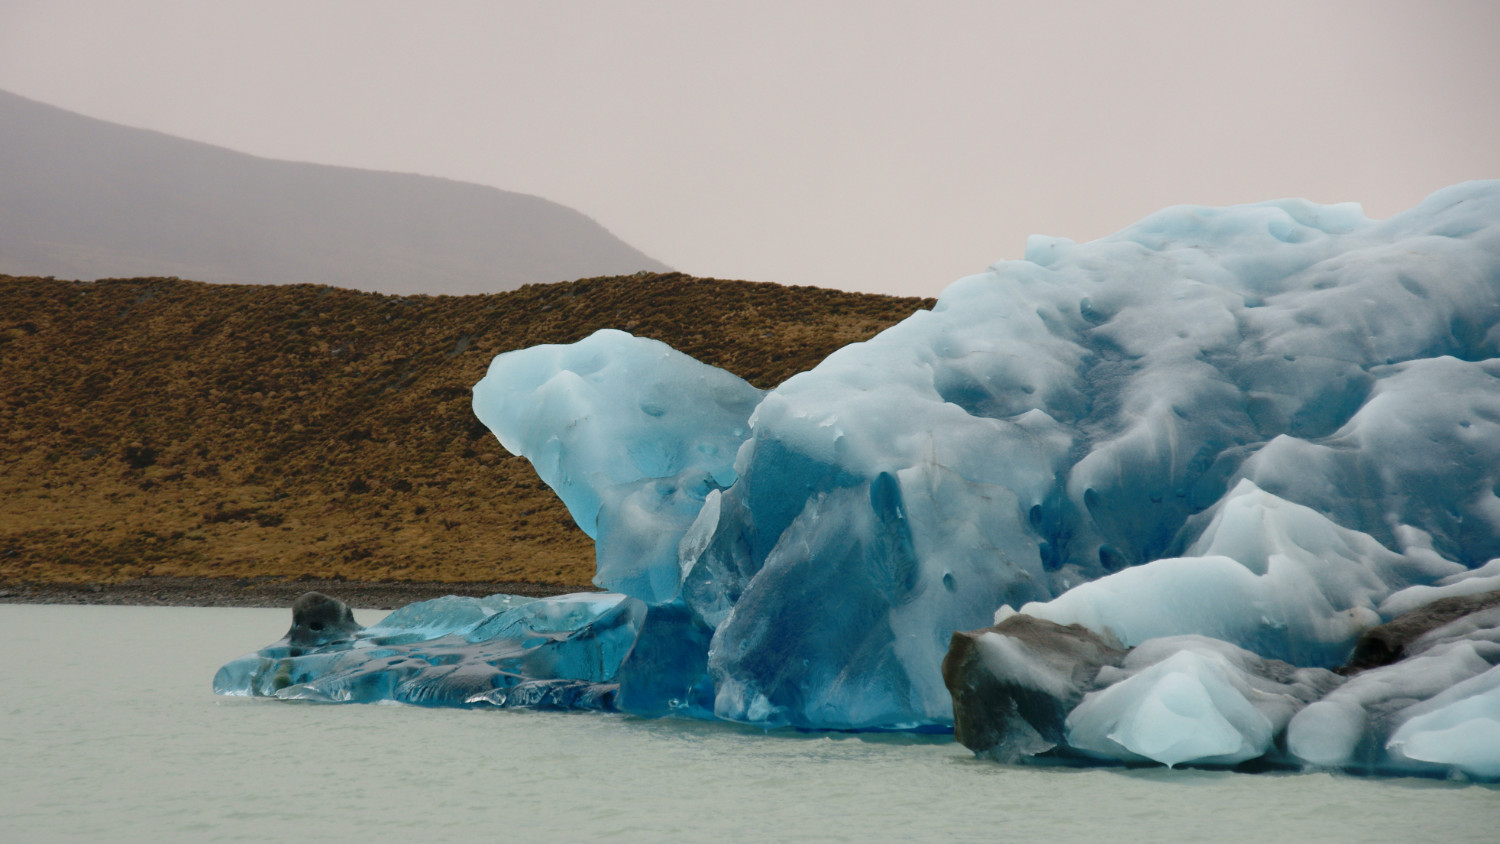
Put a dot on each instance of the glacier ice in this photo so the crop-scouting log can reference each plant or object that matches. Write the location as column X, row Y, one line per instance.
column 1458, row 728
column 1274, row 577
column 1352, row 727
column 1258, row 423
column 1473, row 582
column 631, row 433
column 1429, row 709
column 1192, row 699
column 501, row 650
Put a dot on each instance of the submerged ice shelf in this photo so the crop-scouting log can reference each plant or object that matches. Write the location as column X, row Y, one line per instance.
column 1234, row 440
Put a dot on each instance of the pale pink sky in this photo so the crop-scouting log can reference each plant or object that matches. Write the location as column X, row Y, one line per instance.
column 888, row 147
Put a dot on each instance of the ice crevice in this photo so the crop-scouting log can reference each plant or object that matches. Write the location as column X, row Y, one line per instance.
column 1229, row 442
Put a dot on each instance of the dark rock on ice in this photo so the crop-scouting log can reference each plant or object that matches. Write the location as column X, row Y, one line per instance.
column 1389, row 642
column 1013, row 684
column 320, row 620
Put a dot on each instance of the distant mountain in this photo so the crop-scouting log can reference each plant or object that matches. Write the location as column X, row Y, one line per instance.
column 82, row 198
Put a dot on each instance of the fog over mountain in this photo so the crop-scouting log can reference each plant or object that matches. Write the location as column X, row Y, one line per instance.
column 82, row 198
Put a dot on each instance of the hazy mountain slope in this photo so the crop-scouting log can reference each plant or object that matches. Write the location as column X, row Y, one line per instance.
column 173, row 428
column 81, row 198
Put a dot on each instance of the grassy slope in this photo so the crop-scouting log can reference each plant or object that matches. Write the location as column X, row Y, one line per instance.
column 158, row 427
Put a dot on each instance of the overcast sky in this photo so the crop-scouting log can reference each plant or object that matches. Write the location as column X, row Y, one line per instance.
column 886, row 147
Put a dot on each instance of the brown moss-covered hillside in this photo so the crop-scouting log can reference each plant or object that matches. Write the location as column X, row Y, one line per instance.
column 159, row 427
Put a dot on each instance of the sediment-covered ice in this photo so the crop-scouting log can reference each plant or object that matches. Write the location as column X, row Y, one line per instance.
column 1254, row 423
column 1472, row 582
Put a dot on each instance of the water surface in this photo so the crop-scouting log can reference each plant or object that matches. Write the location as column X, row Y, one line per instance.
column 108, row 729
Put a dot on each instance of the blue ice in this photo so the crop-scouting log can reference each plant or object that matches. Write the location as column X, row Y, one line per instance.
column 501, row 650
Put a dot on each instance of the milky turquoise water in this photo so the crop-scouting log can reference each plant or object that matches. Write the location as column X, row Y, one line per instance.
column 108, row 731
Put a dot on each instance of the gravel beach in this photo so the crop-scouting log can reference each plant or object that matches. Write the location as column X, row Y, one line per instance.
column 242, row 592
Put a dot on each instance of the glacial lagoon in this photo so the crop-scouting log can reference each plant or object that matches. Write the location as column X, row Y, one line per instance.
column 109, row 730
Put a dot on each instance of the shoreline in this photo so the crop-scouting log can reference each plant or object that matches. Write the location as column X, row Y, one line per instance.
column 260, row 592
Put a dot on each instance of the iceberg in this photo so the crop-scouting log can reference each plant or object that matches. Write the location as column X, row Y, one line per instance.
column 1254, row 425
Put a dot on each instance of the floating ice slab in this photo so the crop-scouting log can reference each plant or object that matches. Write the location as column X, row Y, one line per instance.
column 501, row 650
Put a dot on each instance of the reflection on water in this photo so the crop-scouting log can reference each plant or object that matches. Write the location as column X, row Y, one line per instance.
column 108, row 730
